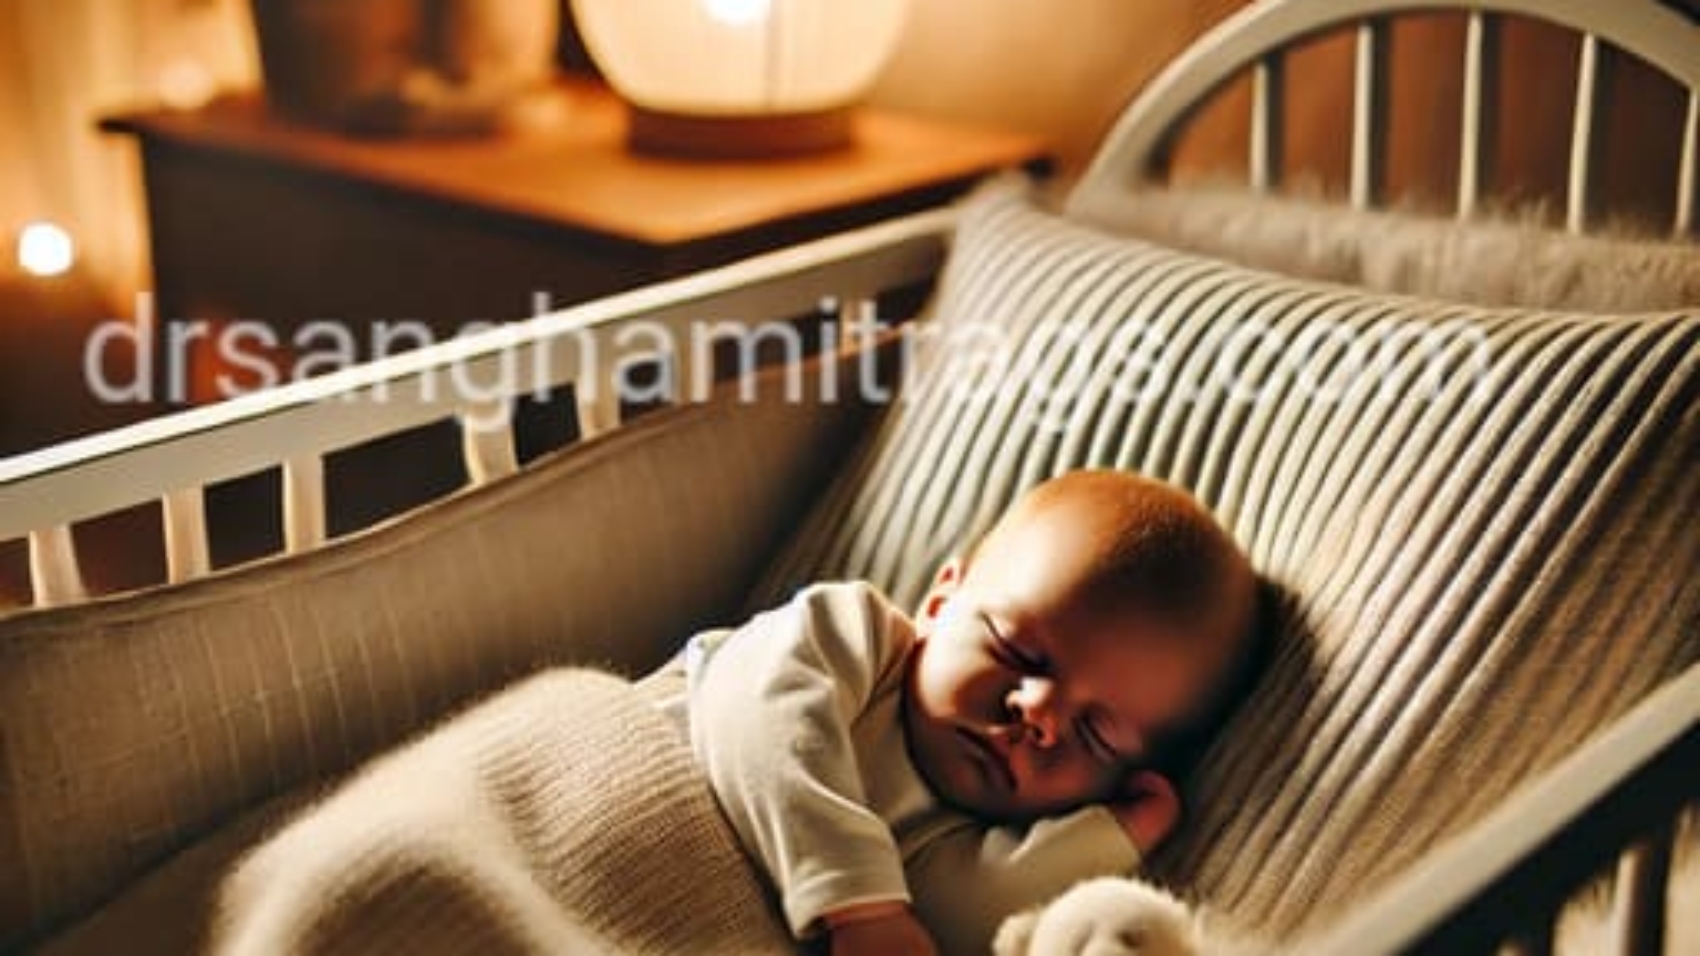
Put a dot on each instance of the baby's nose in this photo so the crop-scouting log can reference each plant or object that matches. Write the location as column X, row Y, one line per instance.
column 1032, row 703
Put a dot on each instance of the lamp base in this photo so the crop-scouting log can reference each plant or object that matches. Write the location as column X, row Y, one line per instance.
column 754, row 136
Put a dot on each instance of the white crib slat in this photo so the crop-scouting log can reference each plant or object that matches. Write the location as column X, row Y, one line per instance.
column 1582, row 133
column 1266, row 123
column 487, row 442
column 1643, row 873
column 692, row 370
column 186, row 553
column 1685, row 178
column 861, row 315
column 598, row 400
column 855, row 328
column 1476, row 139
column 1368, row 112
column 303, row 503
column 858, row 331
column 54, row 573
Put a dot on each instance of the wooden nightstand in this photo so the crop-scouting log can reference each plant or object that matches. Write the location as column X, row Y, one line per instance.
column 253, row 217
column 257, row 219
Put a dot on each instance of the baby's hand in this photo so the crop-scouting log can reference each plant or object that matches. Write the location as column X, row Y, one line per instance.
column 1147, row 807
column 878, row 929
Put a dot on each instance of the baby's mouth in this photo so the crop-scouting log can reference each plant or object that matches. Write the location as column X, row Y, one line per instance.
column 991, row 763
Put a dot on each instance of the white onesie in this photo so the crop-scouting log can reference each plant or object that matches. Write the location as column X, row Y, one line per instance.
column 796, row 718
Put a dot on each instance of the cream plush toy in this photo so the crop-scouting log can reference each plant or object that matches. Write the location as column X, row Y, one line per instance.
column 1104, row 917
column 1111, row 916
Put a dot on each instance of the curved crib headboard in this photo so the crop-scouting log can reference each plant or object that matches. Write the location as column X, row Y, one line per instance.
column 1258, row 36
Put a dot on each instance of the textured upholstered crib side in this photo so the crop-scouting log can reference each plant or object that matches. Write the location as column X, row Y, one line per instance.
column 133, row 726
column 1484, row 519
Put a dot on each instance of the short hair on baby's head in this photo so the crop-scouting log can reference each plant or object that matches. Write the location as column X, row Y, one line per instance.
column 1153, row 546
column 1154, row 549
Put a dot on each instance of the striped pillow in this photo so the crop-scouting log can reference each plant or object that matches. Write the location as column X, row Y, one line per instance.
column 1486, row 518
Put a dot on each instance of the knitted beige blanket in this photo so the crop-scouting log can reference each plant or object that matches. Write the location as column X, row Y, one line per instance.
column 563, row 815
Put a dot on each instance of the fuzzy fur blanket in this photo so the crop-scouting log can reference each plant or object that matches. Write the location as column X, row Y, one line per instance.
column 563, row 815
column 1505, row 259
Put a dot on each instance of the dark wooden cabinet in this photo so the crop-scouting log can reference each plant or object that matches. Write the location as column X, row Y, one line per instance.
column 255, row 218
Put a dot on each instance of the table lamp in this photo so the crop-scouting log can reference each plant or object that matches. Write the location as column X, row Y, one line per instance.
column 739, row 78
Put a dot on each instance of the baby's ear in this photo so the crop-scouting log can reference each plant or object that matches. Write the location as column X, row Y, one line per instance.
column 945, row 583
column 1148, row 808
column 1143, row 783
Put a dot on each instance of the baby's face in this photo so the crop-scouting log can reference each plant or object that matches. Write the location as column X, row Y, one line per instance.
column 1024, row 700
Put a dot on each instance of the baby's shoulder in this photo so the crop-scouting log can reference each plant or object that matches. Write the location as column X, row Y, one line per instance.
column 853, row 620
column 849, row 600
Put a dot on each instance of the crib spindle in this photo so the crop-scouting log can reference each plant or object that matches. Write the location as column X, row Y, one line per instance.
column 692, row 375
column 1369, row 93
column 1534, row 942
column 1582, row 133
column 303, row 504
column 1643, row 872
column 858, row 323
column 186, row 554
column 1685, row 178
column 857, row 330
column 598, row 401
column 1266, row 123
column 487, row 441
column 54, row 573
column 1481, row 73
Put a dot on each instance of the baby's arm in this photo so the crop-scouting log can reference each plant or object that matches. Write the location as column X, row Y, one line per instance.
column 967, row 881
column 878, row 929
column 770, row 718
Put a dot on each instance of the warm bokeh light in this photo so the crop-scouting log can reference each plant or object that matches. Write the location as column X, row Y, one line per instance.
column 185, row 84
column 45, row 249
column 738, row 13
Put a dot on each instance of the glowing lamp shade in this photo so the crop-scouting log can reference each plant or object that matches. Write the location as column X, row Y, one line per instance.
column 740, row 76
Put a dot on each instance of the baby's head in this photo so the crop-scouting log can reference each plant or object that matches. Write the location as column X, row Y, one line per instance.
column 1103, row 619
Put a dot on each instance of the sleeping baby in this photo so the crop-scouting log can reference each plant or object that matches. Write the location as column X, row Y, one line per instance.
column 907, row 783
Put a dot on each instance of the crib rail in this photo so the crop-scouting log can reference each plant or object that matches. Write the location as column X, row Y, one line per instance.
column 1501, row 885
column 1259, row 36
column 472, row 379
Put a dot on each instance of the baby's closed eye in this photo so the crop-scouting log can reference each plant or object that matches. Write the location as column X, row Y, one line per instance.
column 1093, row 737
column 1012, row 653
